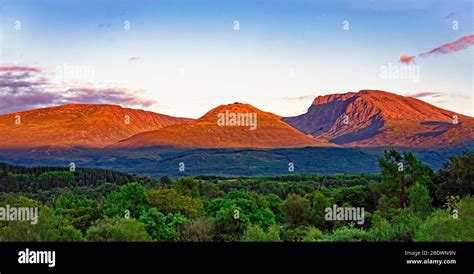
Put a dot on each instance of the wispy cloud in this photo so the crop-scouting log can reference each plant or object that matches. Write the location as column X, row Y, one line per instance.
column 134, row 58
column 433, row 94
column 460, row 44
column 104, row 96
column 24, row 88
column 19, row 68
column 426, row 94
column 104, row 25
column 451, row 14
column 298, row 98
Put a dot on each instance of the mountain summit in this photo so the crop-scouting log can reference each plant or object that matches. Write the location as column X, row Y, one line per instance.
column 227, row 126
column 379, row 118
column 77, row 125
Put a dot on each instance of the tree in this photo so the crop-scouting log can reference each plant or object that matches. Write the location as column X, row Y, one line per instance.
column 162, row 227
column 419, row 200
column 318, row 204
column 240, row 201
column 456, row 177
column 169, row 201
column 349, row 234
column 117, row 230
column 46, row 230
column 400, row 172
column 230, row 222
column 444, row 226
column 76, row 211
column 131, row 198
column 165, row 181
column 255, row 233
column 296, row 210
column 198, row 230
column 275, row 204
column 401, row 227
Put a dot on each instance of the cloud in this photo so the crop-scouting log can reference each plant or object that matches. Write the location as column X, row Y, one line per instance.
column 433, row 94
column 134, row 58
column 104, row 25
column 23, row 88
column 407, row 59
column 426, row 94
column 19, row 68
column 451, row 14
column 458, row 45
column 104, row 96
column 299, row 98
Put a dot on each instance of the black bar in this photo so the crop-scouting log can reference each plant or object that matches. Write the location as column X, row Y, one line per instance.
column 238, row 257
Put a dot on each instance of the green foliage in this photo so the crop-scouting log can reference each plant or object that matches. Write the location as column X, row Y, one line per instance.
column 198, row 230
column 318, row 203
column 76, row 211
column 275, row 204
column 169, row 201
column 117, row 230
column 400, row 228
column 456, row 177
column 297, row 210
column 301, row 234
column 230, row 222
column 46, row 230
column 400, row 172
column 130, row 198
column 90, row 204
column 419, row 200
column 349, row 234
column 241, row 201
column 255, row 233
column 68, row 233
column 444, row 226
column 162, row 227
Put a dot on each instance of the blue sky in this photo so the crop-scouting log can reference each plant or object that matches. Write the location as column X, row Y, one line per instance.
column 187, row 58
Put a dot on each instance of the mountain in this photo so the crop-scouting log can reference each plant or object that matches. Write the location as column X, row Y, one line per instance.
column 227, row 126
column 77, row 125
column 372, row 118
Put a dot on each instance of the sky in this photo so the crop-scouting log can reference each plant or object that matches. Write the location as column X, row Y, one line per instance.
column 183, row 58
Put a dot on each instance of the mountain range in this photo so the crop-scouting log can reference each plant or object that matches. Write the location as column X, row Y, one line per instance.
column 368, row 118
column 81, row 125
column 373, row 118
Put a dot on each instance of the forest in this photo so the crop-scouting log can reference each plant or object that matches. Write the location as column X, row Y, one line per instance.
column 407, row 201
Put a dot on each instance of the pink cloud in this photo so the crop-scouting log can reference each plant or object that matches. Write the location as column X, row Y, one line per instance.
column 407, row 59
column 458, row 45
column 24, row 88
column 19, row 68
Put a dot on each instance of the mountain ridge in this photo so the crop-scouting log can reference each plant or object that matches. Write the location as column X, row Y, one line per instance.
column 207, row 131
column 89, row 125
column 378, row 118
